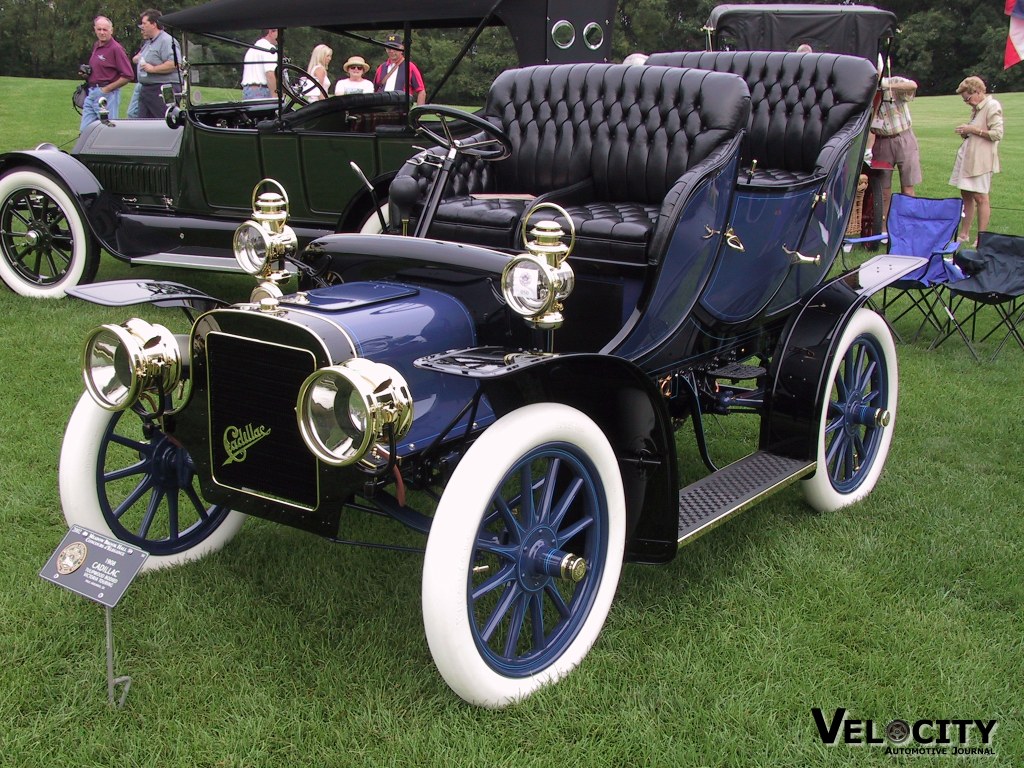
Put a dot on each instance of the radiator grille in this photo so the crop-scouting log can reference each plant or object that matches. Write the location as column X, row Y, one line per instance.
column 255, row 444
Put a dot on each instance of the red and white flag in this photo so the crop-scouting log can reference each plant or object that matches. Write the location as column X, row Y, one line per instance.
column 1015, row 39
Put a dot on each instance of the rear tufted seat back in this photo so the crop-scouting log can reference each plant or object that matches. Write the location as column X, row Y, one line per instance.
column 801, row 106
column 631, row 131
column 607, row 142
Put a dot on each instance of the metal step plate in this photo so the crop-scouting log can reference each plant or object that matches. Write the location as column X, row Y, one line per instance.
column 211, row 259
column 717, row 497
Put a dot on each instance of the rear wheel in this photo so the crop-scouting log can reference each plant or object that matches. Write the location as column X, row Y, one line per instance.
column 858, row 415
column 45, row 245
column 125, row 478
column 371, row 224
column 524, row 555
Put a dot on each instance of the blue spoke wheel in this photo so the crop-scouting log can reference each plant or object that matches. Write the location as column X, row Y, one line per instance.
column 45, row 245
column 124, row 478
column 524, row 554
column 857, row 415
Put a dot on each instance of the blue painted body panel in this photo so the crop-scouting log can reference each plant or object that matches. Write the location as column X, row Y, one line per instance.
column 394, row 323
column 764, row 221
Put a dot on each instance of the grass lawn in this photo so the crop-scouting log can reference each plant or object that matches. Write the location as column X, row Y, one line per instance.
column 285, row 650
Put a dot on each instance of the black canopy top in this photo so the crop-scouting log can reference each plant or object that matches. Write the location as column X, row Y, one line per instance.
column 229, row 15
column 862, row 30
column 527, row 20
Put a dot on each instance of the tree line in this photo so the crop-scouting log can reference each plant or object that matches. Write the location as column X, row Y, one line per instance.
column 939, row 43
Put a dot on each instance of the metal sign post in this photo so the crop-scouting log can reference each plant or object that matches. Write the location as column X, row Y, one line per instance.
column 99, row 568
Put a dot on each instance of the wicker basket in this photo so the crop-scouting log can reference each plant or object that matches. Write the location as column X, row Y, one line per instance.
column 854, row 227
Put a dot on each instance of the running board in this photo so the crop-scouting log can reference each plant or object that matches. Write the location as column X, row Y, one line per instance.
column 712, row 500
column 222, row 263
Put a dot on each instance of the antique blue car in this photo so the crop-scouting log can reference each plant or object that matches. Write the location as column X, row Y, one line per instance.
column 604, row 255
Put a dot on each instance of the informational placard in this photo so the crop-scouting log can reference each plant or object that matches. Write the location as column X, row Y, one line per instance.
column 94, row 566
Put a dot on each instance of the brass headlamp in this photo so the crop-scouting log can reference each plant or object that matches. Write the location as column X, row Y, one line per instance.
column 121, row 362
column 266, row 237
column 536, row 283
column 344, row 410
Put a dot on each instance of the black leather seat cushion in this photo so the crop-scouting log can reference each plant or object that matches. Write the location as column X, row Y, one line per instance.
column 613, row 231
column 607, row 142
column 798, row 104
column 483, row 222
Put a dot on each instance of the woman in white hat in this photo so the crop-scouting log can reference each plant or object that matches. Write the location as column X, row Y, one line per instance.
column 355, row 68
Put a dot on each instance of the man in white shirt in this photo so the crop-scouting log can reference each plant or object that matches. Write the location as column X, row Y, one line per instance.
column 259, row 80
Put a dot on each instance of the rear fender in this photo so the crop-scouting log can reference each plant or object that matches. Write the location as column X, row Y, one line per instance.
column 100, row 208
column 622, row 400
column 807, row 348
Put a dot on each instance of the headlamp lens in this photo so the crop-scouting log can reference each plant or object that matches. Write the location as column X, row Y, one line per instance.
column 343, row 409
column 251, row 245
column 120, row 362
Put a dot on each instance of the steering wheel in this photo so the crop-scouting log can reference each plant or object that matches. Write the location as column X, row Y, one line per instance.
column 495, row 145
column 292, row 90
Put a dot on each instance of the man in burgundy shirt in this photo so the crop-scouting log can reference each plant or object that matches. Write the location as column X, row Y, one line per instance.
column 111, row 68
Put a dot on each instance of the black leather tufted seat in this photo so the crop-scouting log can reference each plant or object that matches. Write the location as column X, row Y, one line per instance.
column 804, row 107
column 619, row 147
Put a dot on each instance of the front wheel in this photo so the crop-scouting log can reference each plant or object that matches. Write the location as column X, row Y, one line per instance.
column 45, row 245
column 524, row 555
column 857, row 416
column 128, row 479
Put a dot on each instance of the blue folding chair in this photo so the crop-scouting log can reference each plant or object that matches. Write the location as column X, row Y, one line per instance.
column 924, row 227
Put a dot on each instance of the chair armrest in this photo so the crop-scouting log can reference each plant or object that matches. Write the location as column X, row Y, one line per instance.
column 970, row 261
column 869, row 239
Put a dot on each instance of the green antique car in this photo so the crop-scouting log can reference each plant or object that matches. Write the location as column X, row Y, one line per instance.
column 171, row 192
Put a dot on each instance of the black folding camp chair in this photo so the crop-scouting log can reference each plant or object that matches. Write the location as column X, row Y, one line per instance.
column 925, row 227
column 997, row 281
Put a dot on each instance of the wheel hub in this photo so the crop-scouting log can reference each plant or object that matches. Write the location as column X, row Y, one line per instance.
column 172, row 466
column 540, row 561
column 858, row 414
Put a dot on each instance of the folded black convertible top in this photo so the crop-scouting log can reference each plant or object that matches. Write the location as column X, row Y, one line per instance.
column 862, row 30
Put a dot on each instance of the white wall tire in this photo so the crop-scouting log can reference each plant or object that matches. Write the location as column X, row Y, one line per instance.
column 371, row 224
column 852, row 445
column 45, row 245
column 105, row 461
column 479, row 565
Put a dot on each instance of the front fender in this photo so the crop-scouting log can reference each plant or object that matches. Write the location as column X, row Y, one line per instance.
column 127, row 293
column 100, row 208
column 621, row 399
column 807, row 348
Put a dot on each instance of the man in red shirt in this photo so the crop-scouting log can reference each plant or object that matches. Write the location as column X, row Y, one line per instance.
column 111, row 69
column 390, row 76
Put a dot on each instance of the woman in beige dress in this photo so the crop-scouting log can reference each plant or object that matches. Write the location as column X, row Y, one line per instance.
column 978, row 156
